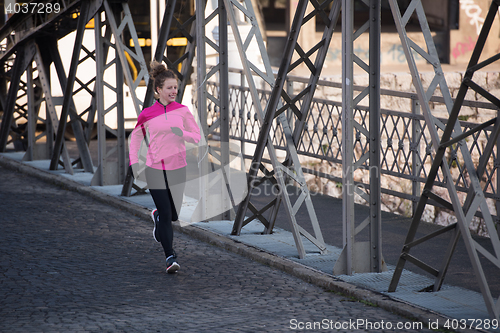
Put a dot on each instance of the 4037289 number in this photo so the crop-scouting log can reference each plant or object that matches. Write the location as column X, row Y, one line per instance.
column 454, row 324
column 32, row 8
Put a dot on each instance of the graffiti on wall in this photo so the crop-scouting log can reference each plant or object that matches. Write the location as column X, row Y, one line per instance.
column 396, row 53
column 473, row 12
column 462, row 48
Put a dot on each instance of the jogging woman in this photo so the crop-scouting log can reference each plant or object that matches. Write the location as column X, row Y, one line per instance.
column 165, row 126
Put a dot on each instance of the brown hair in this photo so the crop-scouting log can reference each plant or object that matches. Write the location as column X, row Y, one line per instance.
column 159, row 73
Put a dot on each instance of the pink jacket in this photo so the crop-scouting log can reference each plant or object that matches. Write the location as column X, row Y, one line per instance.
column 166, row 150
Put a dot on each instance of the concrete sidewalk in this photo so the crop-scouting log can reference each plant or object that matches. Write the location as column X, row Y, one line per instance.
column 278, row 250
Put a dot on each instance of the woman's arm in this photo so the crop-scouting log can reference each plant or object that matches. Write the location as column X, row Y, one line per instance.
column 136, row 138
column 191, row 129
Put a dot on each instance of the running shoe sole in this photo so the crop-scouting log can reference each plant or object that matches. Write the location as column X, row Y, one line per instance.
column 173, row 268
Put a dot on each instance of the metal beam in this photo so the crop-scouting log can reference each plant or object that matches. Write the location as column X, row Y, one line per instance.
column 361, row 256
column 377, row 263
column 201, row 99
column 227, row 212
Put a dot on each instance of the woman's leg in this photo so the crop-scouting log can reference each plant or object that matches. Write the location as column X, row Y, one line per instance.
column 176, row 180
column 158, row 187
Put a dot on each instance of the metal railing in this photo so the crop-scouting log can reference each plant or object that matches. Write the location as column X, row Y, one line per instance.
column 406, row 148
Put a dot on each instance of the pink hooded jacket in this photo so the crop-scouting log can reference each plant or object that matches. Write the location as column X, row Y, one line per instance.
column 166, row 150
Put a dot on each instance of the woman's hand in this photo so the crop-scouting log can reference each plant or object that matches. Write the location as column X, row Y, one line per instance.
column 177, row 131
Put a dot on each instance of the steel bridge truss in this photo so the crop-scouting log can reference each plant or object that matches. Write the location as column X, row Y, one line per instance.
column 25, row 42
column 284, row 109
column 453, row 139
column 38, row 46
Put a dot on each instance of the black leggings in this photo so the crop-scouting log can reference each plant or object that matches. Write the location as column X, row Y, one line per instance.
column 167, row 189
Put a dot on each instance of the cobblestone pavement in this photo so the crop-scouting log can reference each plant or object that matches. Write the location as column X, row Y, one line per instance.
column 70, row 264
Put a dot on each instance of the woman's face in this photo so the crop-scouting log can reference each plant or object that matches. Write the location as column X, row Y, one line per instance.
column 168, row 91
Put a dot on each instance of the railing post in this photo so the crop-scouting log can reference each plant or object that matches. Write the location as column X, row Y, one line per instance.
column 347, row 136
column 242, row 119
column 416, row 166
column 224, row 116
column 289, row 91
column 32, row 116
column 375, row 253
column 201, row 74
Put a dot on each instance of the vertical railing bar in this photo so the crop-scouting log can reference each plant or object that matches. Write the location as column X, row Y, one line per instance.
column 415, row 154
